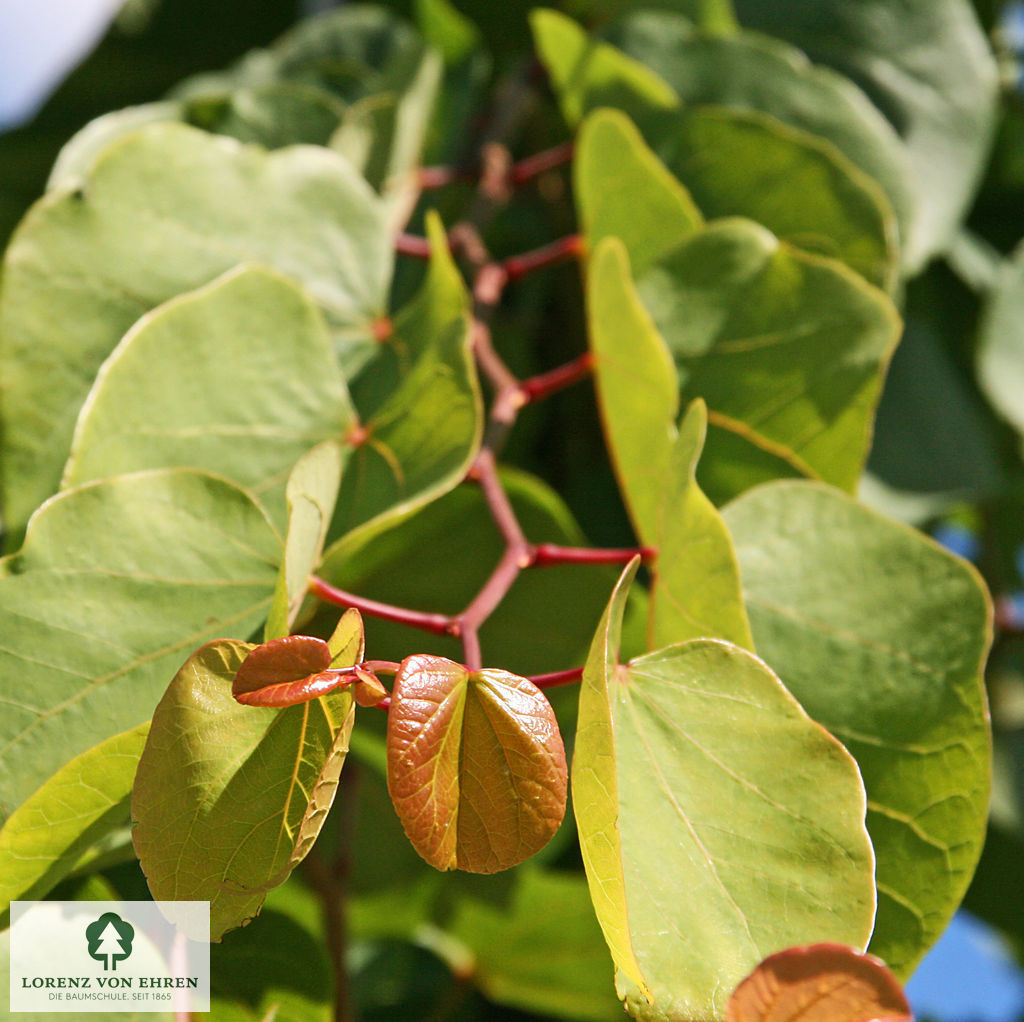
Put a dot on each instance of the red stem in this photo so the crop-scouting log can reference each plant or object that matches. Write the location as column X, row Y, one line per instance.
column 519, row 266
column 438, row 624
column 536, row 388
column 438, row 177
column 537, row 164
column 557, row 678
column 548, row 553
column 412, row 245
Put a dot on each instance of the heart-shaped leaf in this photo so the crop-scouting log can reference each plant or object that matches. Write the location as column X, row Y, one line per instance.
column 881, row 634
column 166, row 210
column 692, row 834
column 819, row 983
column 476, row 765
column 228, row 799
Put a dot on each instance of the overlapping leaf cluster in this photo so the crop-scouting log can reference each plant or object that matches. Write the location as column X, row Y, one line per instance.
column 210, row 392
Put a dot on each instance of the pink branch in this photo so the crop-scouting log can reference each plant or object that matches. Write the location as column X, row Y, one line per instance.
column 412, row 245
column 557, row 678
column 548, row 553
column 520, row 266
column 536, row 388
column 533, row 166
column 438, row 624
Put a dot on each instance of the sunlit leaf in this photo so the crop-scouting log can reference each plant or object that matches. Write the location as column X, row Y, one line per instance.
column 228, row 799
column 696, row 588
column 751, row 71
column 732, row 162
column 692, row 835
column 115, row 583
column 588, row 74
column 881, row 634
column 476, row 766
column 165, row 210
column 623, row 190
column 260, row 386
column 788, row 350
column 44, row 838
column 928, row 67
column 819, row 983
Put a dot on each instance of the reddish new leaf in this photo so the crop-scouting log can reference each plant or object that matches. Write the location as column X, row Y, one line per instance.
column 286, row 671
column 476, row 766
column 819, row 983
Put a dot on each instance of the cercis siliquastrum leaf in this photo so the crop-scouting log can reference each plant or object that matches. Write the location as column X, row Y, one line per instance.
column 476, row 765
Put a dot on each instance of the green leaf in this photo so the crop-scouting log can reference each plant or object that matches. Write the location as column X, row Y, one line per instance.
column 259, row 387
column 689, row 828
column 623, row 189
column 447, row 29
column 79, row 153
column 384, row 135
column 929, row 68
column 115, row 583
column 587, row 73
column 732, row 162
column 270, row 114
column 311, row 492
column 228, row 799
column 744, row 163
column 882, row 635
column 476, row 767
column 165, row 210
column 44, row 838
column 749, row 71
column 353, row 51
column 276, row 968
column 696, row 588
column 787, row 349
column 441, row 300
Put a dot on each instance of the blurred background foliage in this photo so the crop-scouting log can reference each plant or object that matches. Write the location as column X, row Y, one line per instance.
column 947, row 457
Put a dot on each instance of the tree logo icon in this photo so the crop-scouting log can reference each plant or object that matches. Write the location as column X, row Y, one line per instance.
column 110, row 940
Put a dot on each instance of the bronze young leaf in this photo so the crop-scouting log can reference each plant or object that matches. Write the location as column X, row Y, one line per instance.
column 476, row 765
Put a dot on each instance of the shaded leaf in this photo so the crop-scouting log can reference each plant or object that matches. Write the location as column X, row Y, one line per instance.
column 115, row 582
column 521, row 957
column 787, row 349
column 696, row 588
column 476, row 766
column 689, row 828
column 259, row 387
column 400, row 566
column 622, row 189
column 270, row 114
column 44, row 838
column 165, row 210
column 732, row 162
column 744, row 163
column 882, row 635
column 819, row 983
column 747, row 70
column 929, row 68
column 228, row 799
